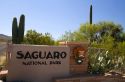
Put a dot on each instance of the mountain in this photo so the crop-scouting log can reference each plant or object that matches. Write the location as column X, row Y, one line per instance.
column 5, row 37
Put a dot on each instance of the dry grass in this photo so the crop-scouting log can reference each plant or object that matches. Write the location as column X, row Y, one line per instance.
column 2, row 60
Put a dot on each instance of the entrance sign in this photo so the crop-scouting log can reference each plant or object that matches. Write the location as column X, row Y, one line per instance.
column 35, row 63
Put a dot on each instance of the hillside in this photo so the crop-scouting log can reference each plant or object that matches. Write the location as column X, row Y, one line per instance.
column 4, row 37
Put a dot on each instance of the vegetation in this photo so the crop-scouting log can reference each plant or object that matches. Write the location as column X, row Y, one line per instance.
column 18, row 31
column 107, row 44
column 33, row 37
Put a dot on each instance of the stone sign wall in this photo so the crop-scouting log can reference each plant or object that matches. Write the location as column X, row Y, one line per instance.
column 32, row 63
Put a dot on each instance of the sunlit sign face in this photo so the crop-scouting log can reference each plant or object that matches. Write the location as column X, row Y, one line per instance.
column 41, row 57
column 36, row 63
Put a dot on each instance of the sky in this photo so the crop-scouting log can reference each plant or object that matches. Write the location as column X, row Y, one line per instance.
column 58, row 16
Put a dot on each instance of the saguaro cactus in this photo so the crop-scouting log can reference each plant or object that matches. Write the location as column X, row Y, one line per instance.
column 91, row 14
column 18, row 31
column 21, row 28
column 14, row 30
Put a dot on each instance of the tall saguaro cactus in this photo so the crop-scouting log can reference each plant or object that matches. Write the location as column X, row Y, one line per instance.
column 21, row 28
column 14, row 30
column 91, row 14
column 18, row 31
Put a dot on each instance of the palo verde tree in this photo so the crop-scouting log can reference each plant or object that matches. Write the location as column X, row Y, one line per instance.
column 95, row 33
column 34, row 37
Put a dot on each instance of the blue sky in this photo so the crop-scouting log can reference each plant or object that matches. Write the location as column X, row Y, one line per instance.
column 58, row 16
